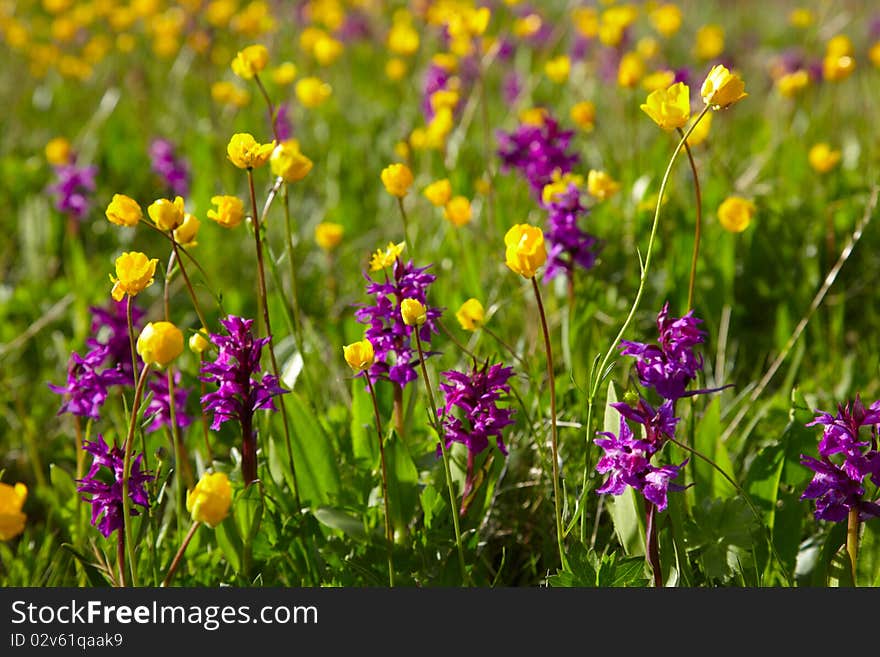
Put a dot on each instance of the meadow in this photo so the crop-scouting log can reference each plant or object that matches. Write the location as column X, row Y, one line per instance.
column 439, row 293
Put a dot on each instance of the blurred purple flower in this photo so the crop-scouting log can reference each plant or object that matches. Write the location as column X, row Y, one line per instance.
column 283, row 122
column 158, row 410
column 511, row 87
column 72, row 187
column 570, row 245
column 536, row 152
column 110, row 329
column 172, row 170
column 87, row 386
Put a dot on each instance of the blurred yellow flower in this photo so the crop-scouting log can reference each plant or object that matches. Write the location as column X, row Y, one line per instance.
column 250, row 61
column 533, row 116
column 284, row 73
column 669, row 108
column 836, row 68
column 288, row 162
column 721, row 88
column 735, row 214
column 397, row 179
column 439, row 192
column 58, row 151
column 524, row 251
column 210, row 500
column 583, row 114
column 801, row 17
column 160, row 343
column 558, row 69
column 229, row 212
column 395, row 69
column 134, row 273
column 647, row 48
column 328, row 235
column 403, row 39
column 471, row 315
column 167, row 215
column 601, row 185
column 700, row 132
column 874, row 54
column 658, row 80
column 312, row 92
column 12, row 520
column 822, row 158
column 327, row 50
column 227, row 93
column 586, row 21
column 382, row 259
column 839, row 46
column 359, row 355
column 559, row 185
column 458, row 211
column 198, row 342
column 709, row 42
column 630, row 70
column 666, row 19
column 791, row 84
column 413, row 312
column 245, row 153
column 124, row 211
column 187, row 232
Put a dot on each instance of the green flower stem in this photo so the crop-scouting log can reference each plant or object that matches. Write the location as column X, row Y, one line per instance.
column 554, row 443
column 435, row 418
column 185, row 475
column 699, row 222
column 273, row 116
column 131, row 341
column 264, row 305
column 405, row 225
column 652, row 548
column 389, row 532
column 126, row 472
column 192, row 294
column 177, row 557
column 852, row 540
column 120, row 557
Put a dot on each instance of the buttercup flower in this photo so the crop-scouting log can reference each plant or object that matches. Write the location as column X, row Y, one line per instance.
column 210, row 500
column 124, row 211
column 284, row 73
column 471, row 315
column 134, row 273
column 524, row 249
column 229, row 212
column 558, row 69
column 584, row 115
column 383, row 259
column 167, row 215
column 735, row 214
column 160, row 343
column 458, row 211
column 11, row 518
column 187, row 232
column 630, row 70
column 58, row 151
column 709, row 42
column 601, row 185
column 288, row 162
column 413, row 312
column 439, row 192
column 397, row 179
column 722, row 88
column 312, row 92
column 328, row 235
column 823, row 158
column 245, row 153
column 198, row 342
column 360, row 356
column 666, row 19
column 250, row 61
column 669, row 108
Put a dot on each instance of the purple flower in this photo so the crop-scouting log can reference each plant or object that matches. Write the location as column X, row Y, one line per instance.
column 72, row 188
column 387, row 332
column 670, row 366
column 536, row 152
column 835, row 492
column 658, row 423
column 110, row 330
column 570, row 245
column 658, row 482
column 106, row 497
column 283, row 124
column 511, row 87
column 436, row 78
column 87, row 385
column 172, row 170
column 236, row 370
column 158, row 410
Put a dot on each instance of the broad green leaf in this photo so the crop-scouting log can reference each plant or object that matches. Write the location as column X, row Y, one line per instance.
column 706, row 439
column 364, row 440
column 247, row 509
column 341, row 520
column 229, row 542
column 402, row 481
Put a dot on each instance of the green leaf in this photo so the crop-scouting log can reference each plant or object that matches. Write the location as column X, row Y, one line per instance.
column 94, row 575
column 229, row 542
column 402, row 481
column 341, row 520
column 706, row 439
column 248, row 512
column 432, row 502
column 364, row 441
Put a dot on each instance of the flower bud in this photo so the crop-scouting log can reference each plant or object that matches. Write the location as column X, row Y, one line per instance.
column 210, row 500
column 160, row 343
column 124, row 211
column 413, row 312
column 525, row 250
column 359, row 355
column 167, row 215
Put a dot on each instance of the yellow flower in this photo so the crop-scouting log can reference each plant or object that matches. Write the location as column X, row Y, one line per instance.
column 839, row 46
column 710, row 42
column 382, row 259
column 874, row 54
column 198, row 342
column 359, row 355
column 288, row 162
column 533, row 116
column 210, row 500
column 284, row 73
column 558, row 69
column 11, row 518
column 124, row 211
column 160, row 343
column 413, row 312
column 822, row 158
column 669, row 108
column 134, row 273
column 471, row 315
column 648, row 47
column 250, row 61
column 312, row 92
column 735, row 214
column 58, row 151
column 836, row 68
column 167, row 215
column 790, row 84
column 721, row 88
column 524, row 249
column 666, row 19
column 601, row 185
column 586, row 21
column 227, row 93
column 583, row 114
column 397, row 179
column 630, row 70
column 395, row 69
column 327, row 49
column 229, row 212
column 245, row 153
column 701, row 132
column 559, row 185
column 658, row 80
column 186, row 233
column 328, row 235
column 801, row 17
column 444, row 98
column 403, row 39
column 439, row 192
column 458, row 211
